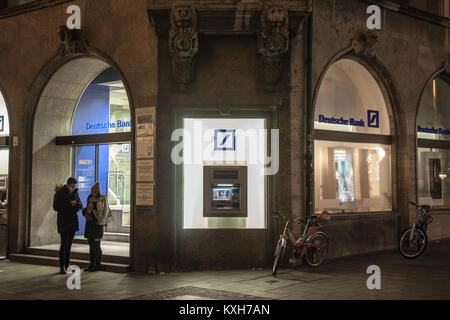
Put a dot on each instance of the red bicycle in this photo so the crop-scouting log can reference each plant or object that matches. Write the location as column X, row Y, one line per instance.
column 313, row 243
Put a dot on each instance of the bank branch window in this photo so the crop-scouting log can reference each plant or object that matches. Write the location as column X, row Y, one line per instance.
column 4, row 158
column 224, row 186
column 352, row 142
column 104, row 109
column 433, row 133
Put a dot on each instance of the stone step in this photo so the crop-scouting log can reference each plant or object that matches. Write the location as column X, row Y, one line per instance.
column 54, row 262
column 76, row 255
column 117, row 237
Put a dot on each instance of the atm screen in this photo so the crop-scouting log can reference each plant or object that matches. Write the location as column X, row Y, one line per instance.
column 221, row 194
column 225, row 196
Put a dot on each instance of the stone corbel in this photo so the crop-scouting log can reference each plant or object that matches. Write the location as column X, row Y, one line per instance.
column 183, row 43
column 365, row 44
column 72, row 41
column 273, row 41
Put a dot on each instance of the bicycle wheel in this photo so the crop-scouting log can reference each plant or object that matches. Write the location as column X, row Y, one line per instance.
column 315, row 256
column 279, row 252
column 412, row 247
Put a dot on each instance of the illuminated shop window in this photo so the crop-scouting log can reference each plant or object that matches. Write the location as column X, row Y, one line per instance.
column 433, row 132
column 4, row 121
column 352, row 142
column 104, row 109
column 4, row 155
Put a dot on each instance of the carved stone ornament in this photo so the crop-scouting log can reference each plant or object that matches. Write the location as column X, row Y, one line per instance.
column 183, row 43
column 365, row 44
column 273, row 41
column 72, row 41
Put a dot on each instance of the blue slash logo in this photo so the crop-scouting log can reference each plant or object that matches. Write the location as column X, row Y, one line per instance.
column 2, row 123
column 373, row 119
column 225, row 140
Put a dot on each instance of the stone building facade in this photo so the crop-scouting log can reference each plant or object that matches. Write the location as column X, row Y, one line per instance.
column 226, row 60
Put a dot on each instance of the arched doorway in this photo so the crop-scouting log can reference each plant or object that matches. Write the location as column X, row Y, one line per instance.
column 352, row 131
column 4, row 171
column 433, row 152
column 82, row 128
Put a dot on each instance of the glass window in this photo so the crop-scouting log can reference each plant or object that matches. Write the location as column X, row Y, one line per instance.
column 351, row 176
column 433, row 127
column 433, row 120
column 4, row 161
column 103, row 107
column 434, row 177
column 4, row 121
column 119, row 180
column 350, row 100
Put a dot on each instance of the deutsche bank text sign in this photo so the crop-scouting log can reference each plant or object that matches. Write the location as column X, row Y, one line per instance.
column 373, row 120
column 108, row 125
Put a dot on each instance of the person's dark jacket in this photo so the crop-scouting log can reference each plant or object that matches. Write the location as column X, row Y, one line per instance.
column 67, row 219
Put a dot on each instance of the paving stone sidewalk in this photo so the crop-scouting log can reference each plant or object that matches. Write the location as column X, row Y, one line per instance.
column 426, row 277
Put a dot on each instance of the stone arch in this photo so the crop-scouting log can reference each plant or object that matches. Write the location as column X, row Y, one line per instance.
column 380, row 73
column 54, row 98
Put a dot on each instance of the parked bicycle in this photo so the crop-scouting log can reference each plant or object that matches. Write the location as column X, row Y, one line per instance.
column 312, row 244
column 414, row 239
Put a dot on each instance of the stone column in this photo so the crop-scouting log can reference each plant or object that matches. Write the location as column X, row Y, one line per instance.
column 298, row 119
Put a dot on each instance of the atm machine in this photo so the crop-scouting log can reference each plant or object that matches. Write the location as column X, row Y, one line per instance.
column 225, row 189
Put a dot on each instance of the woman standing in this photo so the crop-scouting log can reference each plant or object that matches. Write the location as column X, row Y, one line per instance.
column 96, row 213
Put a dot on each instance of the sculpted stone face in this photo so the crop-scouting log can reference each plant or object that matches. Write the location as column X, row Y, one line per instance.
column 183, row 43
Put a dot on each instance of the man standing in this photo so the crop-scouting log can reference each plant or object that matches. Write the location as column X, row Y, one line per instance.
column 67, row 203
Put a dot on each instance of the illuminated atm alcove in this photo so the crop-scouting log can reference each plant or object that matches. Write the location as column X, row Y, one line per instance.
column 223, row 181
column 225, row 190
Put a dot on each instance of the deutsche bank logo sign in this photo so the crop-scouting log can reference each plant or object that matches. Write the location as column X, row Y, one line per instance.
column 225, row 140
column 2, row 123
column 373, row 119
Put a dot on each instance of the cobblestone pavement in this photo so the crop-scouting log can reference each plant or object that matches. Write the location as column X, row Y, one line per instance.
column 345, row 278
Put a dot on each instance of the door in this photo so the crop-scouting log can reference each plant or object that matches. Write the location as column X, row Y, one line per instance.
column 109, row 164
column 85, row 169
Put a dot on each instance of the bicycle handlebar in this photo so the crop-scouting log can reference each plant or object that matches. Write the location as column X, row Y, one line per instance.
column 296, row 220
column 413, row 203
